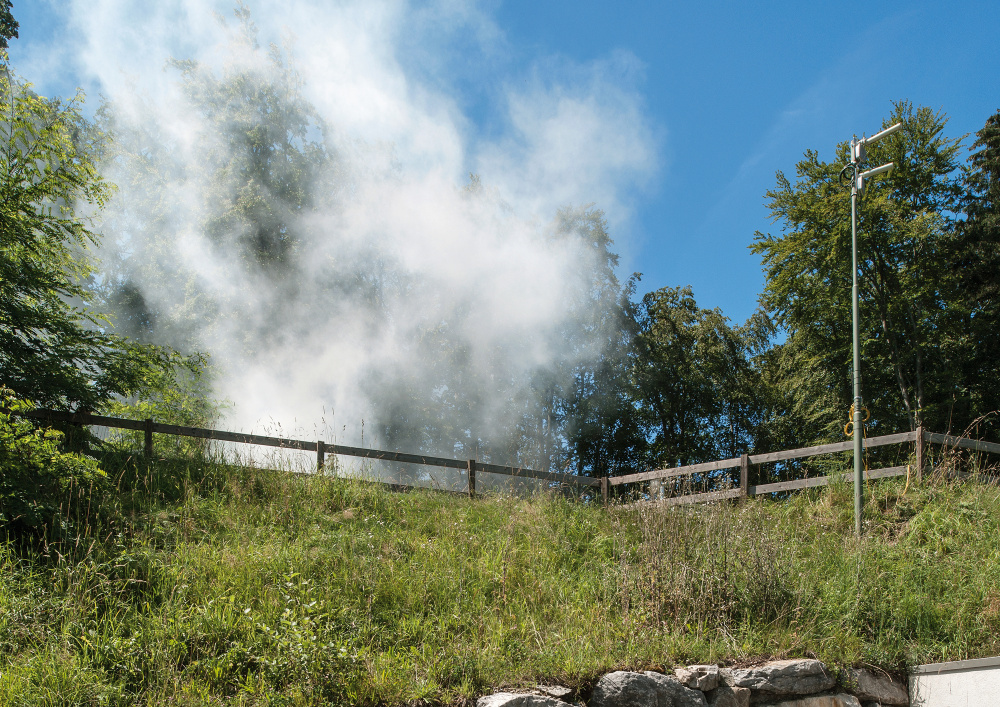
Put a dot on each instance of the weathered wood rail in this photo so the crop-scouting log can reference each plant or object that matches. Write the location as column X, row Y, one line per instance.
column 149, row 427
column 919, row 438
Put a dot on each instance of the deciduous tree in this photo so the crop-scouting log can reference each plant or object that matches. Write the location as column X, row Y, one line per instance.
column 54, row 350
column 8, row 25
column 914, row 343
column 695, row 379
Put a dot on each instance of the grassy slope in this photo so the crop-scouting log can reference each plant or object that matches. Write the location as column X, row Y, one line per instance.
column 242, row 586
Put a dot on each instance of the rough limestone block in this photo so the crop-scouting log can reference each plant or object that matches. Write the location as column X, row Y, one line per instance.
column 872, row 687
column 511, row 699
column 727, row 696
column 783, row 678
column 624, row 689
column 823, row 701
column 699, row 677
column 672, row 693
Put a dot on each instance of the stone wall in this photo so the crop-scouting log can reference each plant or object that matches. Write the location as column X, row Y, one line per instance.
column 783, row 683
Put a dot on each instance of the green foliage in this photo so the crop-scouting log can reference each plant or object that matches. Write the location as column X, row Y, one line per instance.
column 914, row 342
column 699, row 391
column 976, row 266
column 983, row 209
column 43, row 489
column 591, row 422
column 53, row 350
column 263, row 158
column 178, row 395
column 8, row 25
column 268, row 160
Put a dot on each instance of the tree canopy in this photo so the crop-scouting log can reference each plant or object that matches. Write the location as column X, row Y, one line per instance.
column 8, row 25
column 913, row 337
column 975, row 264
column 694, row 380
column 54, row 350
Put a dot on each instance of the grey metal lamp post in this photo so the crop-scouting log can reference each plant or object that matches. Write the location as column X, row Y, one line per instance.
column 857, row 188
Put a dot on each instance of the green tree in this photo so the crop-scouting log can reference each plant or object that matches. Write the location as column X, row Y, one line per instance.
column 981, row 229
column 54, row 351
column 599, row 429
column 912, row 320
column 976, row 267
column 262, row 158
column 8, row 25
column 267, row 159
column 696, row 379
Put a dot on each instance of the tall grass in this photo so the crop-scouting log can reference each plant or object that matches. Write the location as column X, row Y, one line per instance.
column 212, row 583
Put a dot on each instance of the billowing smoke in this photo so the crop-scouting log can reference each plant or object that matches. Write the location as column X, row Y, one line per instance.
column 294, row 198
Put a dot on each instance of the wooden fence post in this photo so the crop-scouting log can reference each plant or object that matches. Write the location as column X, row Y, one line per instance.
column 320, row 455
column 149, row 438
column 472, row 478
column 604, row 490
column 744, row 474
column 919, row 444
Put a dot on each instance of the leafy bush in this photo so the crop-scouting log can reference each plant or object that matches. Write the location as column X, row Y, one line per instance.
column 40, row 485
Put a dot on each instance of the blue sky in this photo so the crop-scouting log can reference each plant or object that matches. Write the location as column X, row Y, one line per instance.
column 732, row 92
column 742, row 89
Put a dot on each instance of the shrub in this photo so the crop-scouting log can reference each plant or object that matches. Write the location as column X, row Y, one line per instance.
column 42, row 487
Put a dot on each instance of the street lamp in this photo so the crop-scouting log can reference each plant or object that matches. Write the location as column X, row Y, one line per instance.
column 857, row 188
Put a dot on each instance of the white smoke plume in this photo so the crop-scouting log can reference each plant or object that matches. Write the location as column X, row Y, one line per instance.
column 399, row 283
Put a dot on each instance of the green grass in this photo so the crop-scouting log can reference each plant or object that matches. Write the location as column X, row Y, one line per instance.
column 215, row 584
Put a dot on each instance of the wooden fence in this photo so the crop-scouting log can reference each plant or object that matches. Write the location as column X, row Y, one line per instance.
column 919, row 438
column 321, row 448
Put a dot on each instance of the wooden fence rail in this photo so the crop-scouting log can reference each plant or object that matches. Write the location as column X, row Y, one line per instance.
column 919, row 438
column 470, row 466
column 770, row 457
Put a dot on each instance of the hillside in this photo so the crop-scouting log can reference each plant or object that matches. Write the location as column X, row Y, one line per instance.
column 215, row 584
